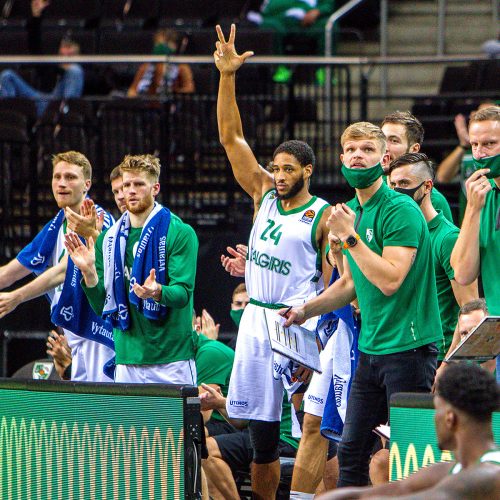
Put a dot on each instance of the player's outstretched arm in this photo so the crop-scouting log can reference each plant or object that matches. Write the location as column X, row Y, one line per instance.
column 248, row 173
column 43, row 283
column 12, row 272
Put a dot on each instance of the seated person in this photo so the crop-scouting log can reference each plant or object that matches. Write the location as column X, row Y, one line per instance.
column 469, row 316
column 70, row 76
column 229, row 453
column 285, row 17
column 214, row 363
column 162, row 78
column 465, row 399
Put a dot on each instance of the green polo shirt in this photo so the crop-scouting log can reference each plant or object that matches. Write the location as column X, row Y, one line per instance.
column 467, row 168
column 443, row 238
column 439, row 202
column 410, row 317
column 169, row 339
column 214, row 363
column 489, row 248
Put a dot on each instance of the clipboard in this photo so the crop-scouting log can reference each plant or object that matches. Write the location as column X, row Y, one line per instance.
column 480, row 344
column 294, row 342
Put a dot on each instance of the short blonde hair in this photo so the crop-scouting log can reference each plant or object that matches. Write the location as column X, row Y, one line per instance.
column 486, row 114
column 364, row 130
column 75, row 158
column 142, row 163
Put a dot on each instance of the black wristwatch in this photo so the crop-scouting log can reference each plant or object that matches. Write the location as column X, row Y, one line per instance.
column 351, row 241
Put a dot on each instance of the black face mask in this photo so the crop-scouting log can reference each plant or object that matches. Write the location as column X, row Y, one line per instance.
column 411, row 192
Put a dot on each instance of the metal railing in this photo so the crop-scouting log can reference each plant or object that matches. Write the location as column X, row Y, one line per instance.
column 182, row 130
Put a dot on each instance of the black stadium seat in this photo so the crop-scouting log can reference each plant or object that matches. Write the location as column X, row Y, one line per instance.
column 131, row 13
column 112, row 41
column 13, row 42
column 73, row 13
column 51, row 39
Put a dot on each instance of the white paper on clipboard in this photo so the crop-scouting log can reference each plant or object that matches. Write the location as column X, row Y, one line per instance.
column 294, row 342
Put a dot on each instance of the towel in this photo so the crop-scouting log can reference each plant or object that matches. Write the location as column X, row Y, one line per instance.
column 345, row 360
column 151, row 253
column 36, row 255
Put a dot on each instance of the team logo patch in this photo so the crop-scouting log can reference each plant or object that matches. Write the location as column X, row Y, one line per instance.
column 308, row 216
column 369, row 235
column 42, row 371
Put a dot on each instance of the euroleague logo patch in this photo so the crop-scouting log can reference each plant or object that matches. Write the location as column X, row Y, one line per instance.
column 308, row 216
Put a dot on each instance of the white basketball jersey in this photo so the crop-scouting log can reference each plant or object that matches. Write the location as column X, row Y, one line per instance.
column 283, row 262
column 58, row 253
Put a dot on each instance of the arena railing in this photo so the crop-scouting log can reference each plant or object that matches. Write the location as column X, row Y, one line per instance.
column 197, row 182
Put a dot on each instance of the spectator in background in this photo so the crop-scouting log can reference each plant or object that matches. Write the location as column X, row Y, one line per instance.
column 285, row 17
column 459, row 160
column 70, row 77
column 162, row 78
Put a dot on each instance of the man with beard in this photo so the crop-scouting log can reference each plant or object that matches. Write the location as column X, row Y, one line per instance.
column 46, row 257
column 151, row 322
column 388, row 267
column 286, row 257
column 405, row 134
column 465, row 399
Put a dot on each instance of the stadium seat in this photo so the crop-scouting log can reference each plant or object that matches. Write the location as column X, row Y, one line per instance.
column 130, row 13
column 129, row 126
column 188, row 13
column 13, row 42
column 74, row 13
column 52, row 36
column 112, row 41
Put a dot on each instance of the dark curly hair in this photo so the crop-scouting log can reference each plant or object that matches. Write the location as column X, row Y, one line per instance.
column 471, row 389
column 300, row 150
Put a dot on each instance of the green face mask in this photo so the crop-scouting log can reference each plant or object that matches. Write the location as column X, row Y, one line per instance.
column 491, row 162
column 362, row 177
column 236, row 316
column 162, row 49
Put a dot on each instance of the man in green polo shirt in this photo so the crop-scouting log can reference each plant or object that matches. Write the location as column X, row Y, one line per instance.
column 405, row 134
column 478, row 246
column 151, row 317
column 412, row 174
column 388, row 266
column 214, row 363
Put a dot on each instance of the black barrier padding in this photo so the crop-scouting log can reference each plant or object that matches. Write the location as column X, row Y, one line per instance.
column 161, row 390
column 412, row 400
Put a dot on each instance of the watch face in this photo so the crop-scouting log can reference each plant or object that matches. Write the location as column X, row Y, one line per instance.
column 351, row 240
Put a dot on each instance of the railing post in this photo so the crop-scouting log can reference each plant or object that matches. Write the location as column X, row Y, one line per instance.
column 494, row 12
column 384, row 14
column 328, row 52
column 363, row 96
column 441, row 27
